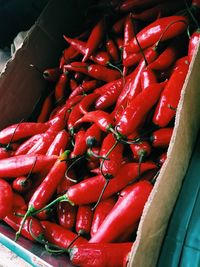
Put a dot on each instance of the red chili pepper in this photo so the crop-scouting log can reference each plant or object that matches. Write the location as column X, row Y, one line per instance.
column 100, row 255
column 70, row 102
column 88, row 191
column 84, row 88
column 18, row 202
column 80, row 146
column 126, row 212
column 166, row 58
column 165, row 28
column 109, row 98
column 103, row 120
column 65, row 184
column 161, row 137
column 27, row 145
column 73, row 83
column 166, row 107
column 134, row 114
column 118, row 26
column 162, row 9
column 87, row 102
column 94, row 39
column 59, row 144
column 147, row 77
column 59, row 236
column 84, row 220
column 112, row 50
column 52, row 75
column 132, row 59
column 141, row 150
column 60, row 88
column 193, row 43
column 119, row 41
column 74, row 115
column 112, row 151
column 129, row 33
column 128, row 5
column 66, row 215
column 93, row 135
column 6, row 198
column 31, row 229
column 46, row 109
column 162, row 158
column 100, row 213
column 103, row 73
column 21, row 165
column 22, row 130
column 4, row 153
column 21, row 184
column 69, row 54
column 93, row 155
column 77, row 67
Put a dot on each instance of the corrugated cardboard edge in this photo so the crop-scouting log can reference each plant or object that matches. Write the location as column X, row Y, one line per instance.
column 160, row 204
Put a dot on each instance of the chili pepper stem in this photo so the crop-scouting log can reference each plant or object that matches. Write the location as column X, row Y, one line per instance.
column 39, row 239
column 96, row 155
column 101, row 195
column 69, row 168
column 72, row 242
column 54, row 251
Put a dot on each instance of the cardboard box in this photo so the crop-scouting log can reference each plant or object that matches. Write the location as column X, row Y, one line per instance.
column 21, row 86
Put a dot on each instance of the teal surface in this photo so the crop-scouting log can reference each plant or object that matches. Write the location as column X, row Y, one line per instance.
column 182, row 241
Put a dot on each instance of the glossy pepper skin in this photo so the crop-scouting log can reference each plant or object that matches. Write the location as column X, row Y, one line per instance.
column 166, row 107
column 6, row 198
column 59, row 144
column 126, row 212
column 21, row 165
column 100, row 255
column 133, row 116
column 60, row 236
column 161, row 137
column 66, row 215
column 84, row 220
column 165, row 28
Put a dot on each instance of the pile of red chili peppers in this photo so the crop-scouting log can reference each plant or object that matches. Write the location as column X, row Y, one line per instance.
column 77, row 179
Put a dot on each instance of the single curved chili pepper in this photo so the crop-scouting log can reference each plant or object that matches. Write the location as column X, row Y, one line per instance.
column 6, row 198
column 128, row 5
column 102, row 119
column 69, row 54
column 66, row 215
column 112, row 50
column 88, row 101
column 126, row 212
column 129, row 33
column 161, row 137
column 18, row 202
column 147, row 77
column 80, row 145
column 27, row 145
column 162, row 158
column 109, row 98
column 166, row 58
column 21, row 165
column 46, row 109
column 59, row 236
column 99, row 255
column 84, row 220
column 88, row 191
column 134, row 114
column 165, row 28
column 112, row 151
column 59, row 144
column 31, row 227
column 81, row 67
column 93, row 135
column 52, row 74
column 118, row 26
column 132, row 86
column 100, row 213
column 21, row 184
column 94, row 39
column 84, row 88
column 60, row 88
column 103, row 73
column 193, row 43
column 22, row 130
column 166, row 107
column 74, row 115
column 162, row 9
